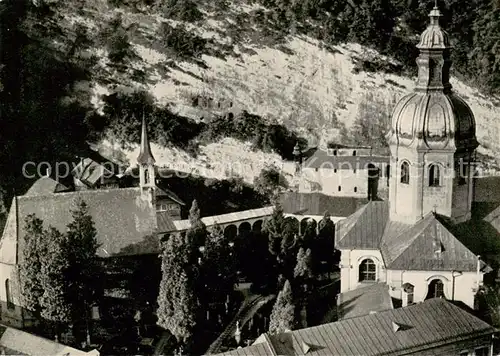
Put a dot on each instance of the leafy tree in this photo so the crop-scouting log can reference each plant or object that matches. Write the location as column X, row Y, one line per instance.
column 84, row 270
column 283, row 313
column 274, row 228
column 177, row 305
column 31, row 264
column 269, row 182
column 182, row 10
column 56, row 307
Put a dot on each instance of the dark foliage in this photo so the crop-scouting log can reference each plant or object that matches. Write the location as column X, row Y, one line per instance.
column 179, row 42
column 182, row 10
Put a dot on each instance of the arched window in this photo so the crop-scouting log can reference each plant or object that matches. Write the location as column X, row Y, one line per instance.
column 146, row 176
column 340, row 188
column 355, row 189
column 436, row 289
column 335, row 152
column 8, row 294
column 405, row 173
column 434, row 175
column 354, row 153
column 367, row 270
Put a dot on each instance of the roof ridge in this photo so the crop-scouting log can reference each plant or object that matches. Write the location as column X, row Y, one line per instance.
column 77, row 192
column 269, row 343
column 413, row 238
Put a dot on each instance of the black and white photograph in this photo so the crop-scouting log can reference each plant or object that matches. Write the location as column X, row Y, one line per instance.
column 250, row 177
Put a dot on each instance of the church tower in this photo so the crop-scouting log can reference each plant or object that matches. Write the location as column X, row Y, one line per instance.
column 432, row 139
column 146, row 164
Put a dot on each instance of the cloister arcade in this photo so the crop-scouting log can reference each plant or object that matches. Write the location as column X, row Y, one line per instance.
column 243, row 222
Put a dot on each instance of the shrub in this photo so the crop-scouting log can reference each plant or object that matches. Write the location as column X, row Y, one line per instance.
column 182, row 10
column 180, row 42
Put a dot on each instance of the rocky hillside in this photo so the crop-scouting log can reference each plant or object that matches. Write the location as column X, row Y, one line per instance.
column 214, row 58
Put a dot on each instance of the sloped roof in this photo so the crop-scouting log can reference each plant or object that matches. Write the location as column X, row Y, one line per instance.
column 404, row 246
column 44, row 186
column 363, row 301
column 253, row 350
column 317, row 203
column 164, row 192
column 321, row 159
column 91, row 172
column 422, row 328
column 17, row 342
column 365, row 230
column 125, row 223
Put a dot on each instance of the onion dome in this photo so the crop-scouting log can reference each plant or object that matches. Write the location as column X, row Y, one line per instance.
column 433, row 117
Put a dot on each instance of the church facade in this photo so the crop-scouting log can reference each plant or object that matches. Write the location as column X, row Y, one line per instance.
column 403, row 241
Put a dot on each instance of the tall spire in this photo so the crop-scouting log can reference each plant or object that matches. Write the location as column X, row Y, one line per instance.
column 145, row 155
column 434, row 60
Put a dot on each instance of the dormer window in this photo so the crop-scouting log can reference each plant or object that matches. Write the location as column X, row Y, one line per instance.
column 434, row 176
column 405, row 173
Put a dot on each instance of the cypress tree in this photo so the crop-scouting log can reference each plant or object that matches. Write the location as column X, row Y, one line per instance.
column 283, row 314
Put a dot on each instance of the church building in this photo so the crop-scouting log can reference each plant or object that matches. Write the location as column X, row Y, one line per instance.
column 402, row 242
column 128, row 221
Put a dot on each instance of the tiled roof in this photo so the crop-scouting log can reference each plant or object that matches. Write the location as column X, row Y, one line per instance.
column 91, row 172
column 17, row 342
column 318, row 203
column 44, row 186
column 164, row 192
column 363, row 301
column 366, row 229
column 321, row 159
column 404, row 246
column 181, row 225
column 421, row 328
column 253, row 350
column 125, row 223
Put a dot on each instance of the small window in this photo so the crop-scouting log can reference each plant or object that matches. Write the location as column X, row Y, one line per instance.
column 355, row 189
column 335, row 152
column 354, row 170
column 354, row 153
column 434, row 176
column 8, row 294
column 367, row 271
column 335, row 170
column 315, row 169
column 405, row 173
column 340, row 188
column 146, row 176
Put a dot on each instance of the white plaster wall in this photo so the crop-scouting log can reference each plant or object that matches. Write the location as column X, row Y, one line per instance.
column 10, row 316
column 349, row 268
column 465, row 284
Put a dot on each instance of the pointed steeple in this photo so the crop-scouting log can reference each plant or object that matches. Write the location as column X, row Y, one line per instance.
column 145, row 156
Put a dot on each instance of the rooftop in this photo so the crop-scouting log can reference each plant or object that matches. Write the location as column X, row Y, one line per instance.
column 363, row 301
column 318, row 203
column 17, row 342
column 405, row 246
column 416, row 329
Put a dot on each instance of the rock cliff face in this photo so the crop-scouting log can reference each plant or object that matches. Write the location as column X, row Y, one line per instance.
column 220, row 57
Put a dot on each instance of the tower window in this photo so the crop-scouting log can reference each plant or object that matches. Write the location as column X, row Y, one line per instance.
column 405, row 173
column 434, row 176
column 354, row 153
column 340, row 188
column 146, row 176
column 335, row 152
column 335, row 170
column 367, row 271
column 355, row 189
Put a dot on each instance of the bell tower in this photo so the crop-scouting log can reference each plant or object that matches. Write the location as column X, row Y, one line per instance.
column 146, row 163
column 432, row 139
